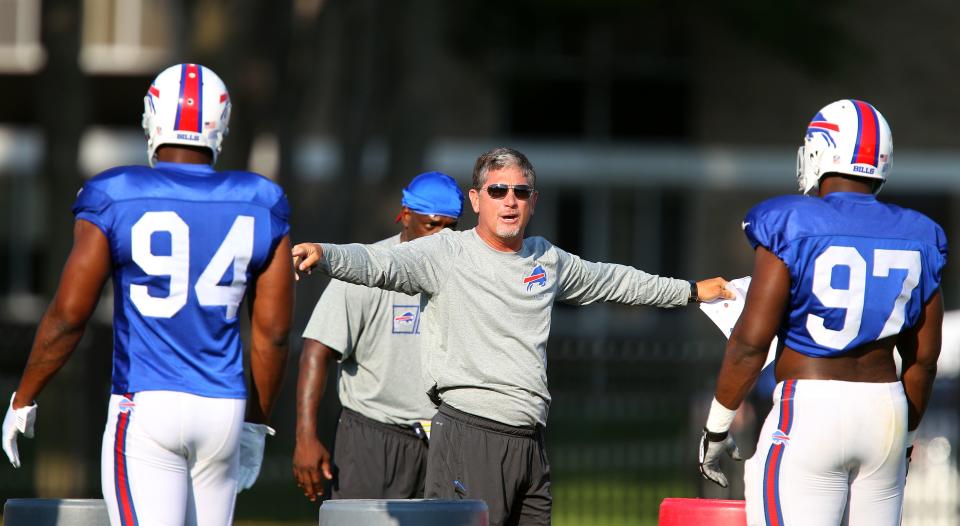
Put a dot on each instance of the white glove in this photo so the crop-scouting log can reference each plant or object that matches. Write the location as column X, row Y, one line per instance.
column 712, row 446
column 252, row 440
column 17, row 421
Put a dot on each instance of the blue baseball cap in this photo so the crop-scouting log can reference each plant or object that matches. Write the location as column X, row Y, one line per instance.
column 434, row 193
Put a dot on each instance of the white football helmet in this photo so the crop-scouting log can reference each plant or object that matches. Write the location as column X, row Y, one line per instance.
column 847, row 137
column 186, row 104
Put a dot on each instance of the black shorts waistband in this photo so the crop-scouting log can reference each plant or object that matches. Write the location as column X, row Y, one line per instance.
column 487, row 424
column 406, row 431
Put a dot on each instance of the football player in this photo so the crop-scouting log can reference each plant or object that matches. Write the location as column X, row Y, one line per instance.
column 183, row 244
column 843, row 278
column 382, row 437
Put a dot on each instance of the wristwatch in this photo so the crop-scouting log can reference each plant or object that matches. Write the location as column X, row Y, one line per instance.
column 694, row 293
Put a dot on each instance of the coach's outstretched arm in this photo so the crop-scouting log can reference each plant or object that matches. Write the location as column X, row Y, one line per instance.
column 746, row 351
column 408, row 267
column 61, row 327
column 411, row 268
column 583, row 282
column 306, row 257
column 920, row 349
column 271, row 306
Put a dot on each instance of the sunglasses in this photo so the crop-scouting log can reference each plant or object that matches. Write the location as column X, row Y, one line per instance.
column 499, row 191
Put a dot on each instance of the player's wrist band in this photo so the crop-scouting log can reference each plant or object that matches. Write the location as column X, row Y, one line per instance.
column 720, row 418
column 694, row 293
column 715, row 437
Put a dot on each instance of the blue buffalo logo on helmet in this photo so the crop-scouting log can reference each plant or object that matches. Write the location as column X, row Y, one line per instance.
column 537, row 277
column 820, row 125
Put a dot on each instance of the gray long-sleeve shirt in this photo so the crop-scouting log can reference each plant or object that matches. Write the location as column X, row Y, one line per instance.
column 487, row 317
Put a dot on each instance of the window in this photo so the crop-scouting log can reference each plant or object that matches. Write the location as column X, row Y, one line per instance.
column 127, row 36
column 20, row 47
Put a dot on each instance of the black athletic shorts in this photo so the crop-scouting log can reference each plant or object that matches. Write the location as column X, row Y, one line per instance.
column 476, row 458
column 373, row 460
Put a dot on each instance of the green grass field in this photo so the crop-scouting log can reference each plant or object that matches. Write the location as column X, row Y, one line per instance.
column 608, row 502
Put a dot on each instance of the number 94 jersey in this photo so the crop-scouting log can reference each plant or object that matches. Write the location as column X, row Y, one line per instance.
column 860, row 270
column 185, row 240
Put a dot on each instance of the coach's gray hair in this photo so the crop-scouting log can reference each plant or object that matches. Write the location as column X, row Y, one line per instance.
column 498, row 159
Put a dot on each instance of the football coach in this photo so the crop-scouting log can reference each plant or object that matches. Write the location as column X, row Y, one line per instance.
column 490, row 294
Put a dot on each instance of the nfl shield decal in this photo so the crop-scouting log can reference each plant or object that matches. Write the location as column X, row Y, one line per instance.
column 406, row 319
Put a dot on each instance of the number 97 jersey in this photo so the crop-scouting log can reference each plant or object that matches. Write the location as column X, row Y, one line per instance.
column 185, row 240
column 860, row 270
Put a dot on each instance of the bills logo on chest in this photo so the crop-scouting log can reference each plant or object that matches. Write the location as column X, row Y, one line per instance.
column 537, row 277
column 406, row 319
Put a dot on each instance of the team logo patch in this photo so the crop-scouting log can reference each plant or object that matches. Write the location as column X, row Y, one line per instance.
column 127, row 405
column 781, row 438
column 406, row 319
column 537, row 277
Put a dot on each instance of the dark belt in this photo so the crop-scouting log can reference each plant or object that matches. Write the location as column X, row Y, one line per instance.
column 487, row 424
column 415, row 431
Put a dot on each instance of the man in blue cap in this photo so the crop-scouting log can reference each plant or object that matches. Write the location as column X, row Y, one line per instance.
column 374, row 334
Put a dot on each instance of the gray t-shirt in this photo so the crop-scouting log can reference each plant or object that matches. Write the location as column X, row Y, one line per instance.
column 487, row 315
column 377, row 333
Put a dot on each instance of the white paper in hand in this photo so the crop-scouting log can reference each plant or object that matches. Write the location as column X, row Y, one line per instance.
column 725, row 313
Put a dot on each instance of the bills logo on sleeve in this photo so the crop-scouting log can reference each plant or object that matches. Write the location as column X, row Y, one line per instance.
column 406, row 319
column 537, row 277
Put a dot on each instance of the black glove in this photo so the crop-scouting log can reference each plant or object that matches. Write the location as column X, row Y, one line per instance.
column 909, row 454
column 712, row 445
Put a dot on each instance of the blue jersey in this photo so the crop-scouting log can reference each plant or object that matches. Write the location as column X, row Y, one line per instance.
column 185, row 240
column 860, row 270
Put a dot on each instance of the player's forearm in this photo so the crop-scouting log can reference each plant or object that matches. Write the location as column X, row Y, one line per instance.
column 311, row 384
column 920, row 351
column 56, row 339
column 742, row 364
column 268, row 359
column 271, row 306
column 918, row 384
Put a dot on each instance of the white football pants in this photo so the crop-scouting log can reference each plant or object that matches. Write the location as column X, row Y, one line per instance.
column 830, row 453
column 171, row 458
